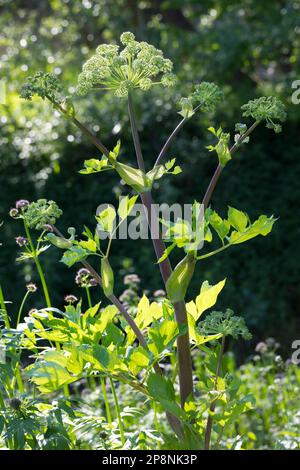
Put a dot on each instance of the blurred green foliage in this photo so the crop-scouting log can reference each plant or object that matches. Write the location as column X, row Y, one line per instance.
column 248, row 48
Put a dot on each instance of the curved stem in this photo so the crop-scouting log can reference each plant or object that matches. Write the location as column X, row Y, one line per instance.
column 21, row 308
column 219, row 169
column 169, row 141
column 38, row 265
column 172, row 137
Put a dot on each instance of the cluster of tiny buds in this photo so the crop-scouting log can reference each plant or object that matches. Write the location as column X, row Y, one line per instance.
column 160, row 293
column 71, row 299
column 31, row 287
column 84, row 278
column 131, row 279
column 137, row 65
column 21, row 241
column 19, row 205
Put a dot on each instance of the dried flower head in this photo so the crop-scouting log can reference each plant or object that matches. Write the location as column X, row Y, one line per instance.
column 14, row 213
column 84, row 278
column 267, row 109
column 21, row 241
column 261, row 347
column 127, row 296
column 42, row 212
column 71, row 299
column 225, row 323
column 31, row 287
column 160, row 293
column 22, row 203
column 135, row 66
column 131, row 279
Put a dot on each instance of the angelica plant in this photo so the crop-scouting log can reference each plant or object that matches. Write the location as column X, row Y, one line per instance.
column 158, row 325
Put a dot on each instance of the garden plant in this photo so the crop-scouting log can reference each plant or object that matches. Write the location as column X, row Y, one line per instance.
column 167, row 349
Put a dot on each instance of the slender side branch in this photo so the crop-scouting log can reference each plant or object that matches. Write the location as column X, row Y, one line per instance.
column 172, row 137
column 83, row 129
column 219, row 169
column 169, row 141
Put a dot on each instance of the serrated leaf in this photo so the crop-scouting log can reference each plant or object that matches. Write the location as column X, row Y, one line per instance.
column 126, row 205
column 237, row 219
column 106, row 219
column 74, row 255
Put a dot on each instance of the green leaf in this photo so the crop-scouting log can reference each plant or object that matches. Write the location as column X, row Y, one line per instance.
column 208, row 296
column 113, row 335
column 126, row 205
column 166, row 253
column 222, row 227
column 237, row 219
column 106, row 219
column 74, row 255
column 162, row 336
column 146, row 314
column 262, row 226
column 102, row 355
column 94, row 165
column 89, row 245
column 138, row 360
column 222, row 147
column 50, row 375
column 160, row 388
column 104, row 318
column 170, row 163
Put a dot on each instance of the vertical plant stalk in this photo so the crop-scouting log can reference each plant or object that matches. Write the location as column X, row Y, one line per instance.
column 118, row 411
column 38, row 265
column 88, row 296
column 4, row 309
column 183, row 343
column 105, row 398
column 213, row 404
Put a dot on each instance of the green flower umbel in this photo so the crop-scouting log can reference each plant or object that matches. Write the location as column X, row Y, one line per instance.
column 137, row 65
column 225, row 323
column 269, row 109
column 41, row 213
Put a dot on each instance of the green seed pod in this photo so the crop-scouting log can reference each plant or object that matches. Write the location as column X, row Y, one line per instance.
column 58, row 241
column 133, row 177
column 180, row 279
column 107, row 275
